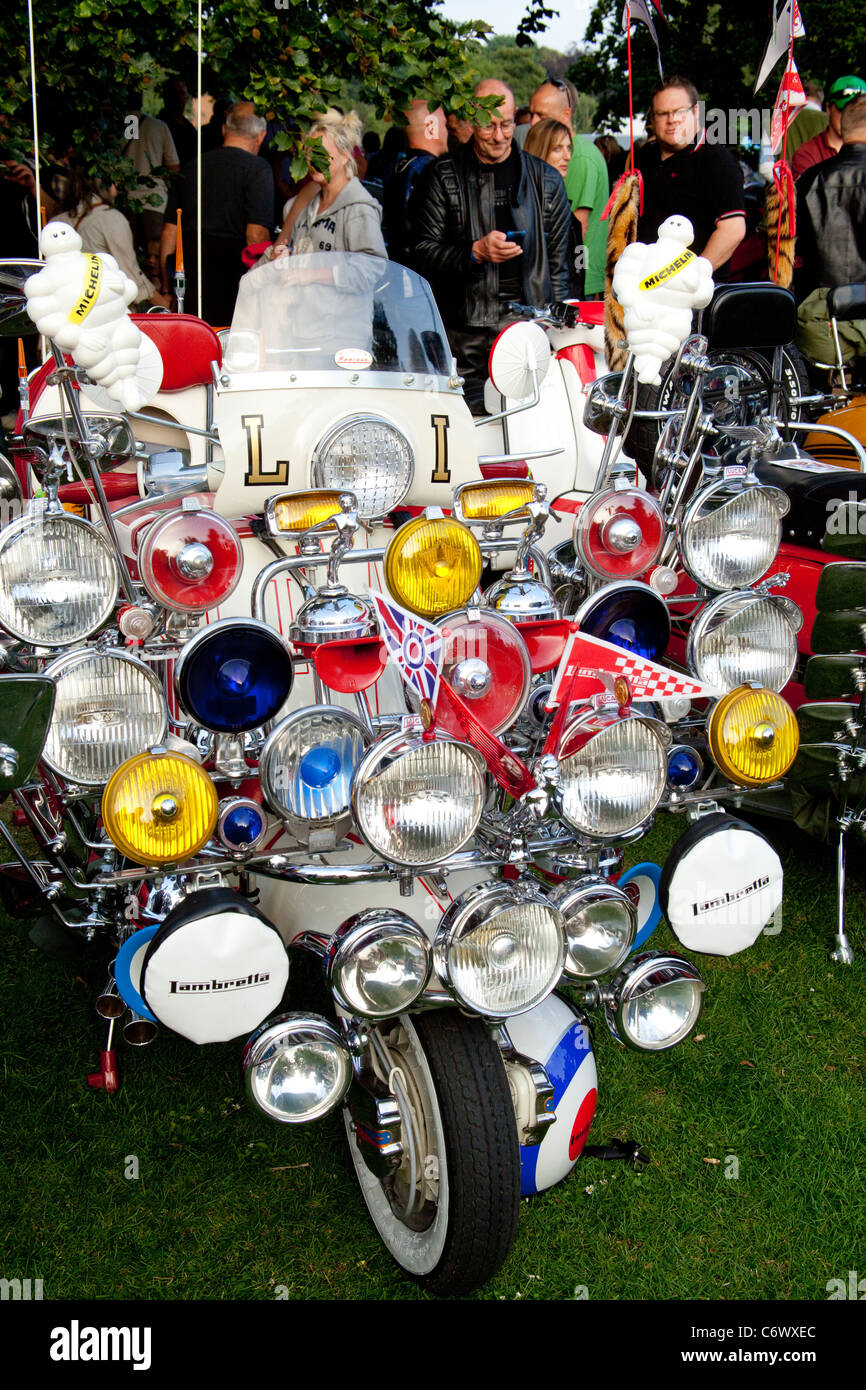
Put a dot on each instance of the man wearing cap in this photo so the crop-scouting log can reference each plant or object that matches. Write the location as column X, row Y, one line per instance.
column 829, row 141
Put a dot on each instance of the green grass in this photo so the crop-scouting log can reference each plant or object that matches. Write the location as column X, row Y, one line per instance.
column 228, row 1205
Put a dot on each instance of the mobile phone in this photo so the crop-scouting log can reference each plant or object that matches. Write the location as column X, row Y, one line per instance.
column 518, row 237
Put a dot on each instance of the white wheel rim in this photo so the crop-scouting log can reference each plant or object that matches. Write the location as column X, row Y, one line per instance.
column 418, row 1252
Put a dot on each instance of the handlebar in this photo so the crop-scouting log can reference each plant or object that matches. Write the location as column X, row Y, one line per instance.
column 563, row 314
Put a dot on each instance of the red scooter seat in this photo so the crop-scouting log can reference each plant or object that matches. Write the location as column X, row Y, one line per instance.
column 187, row 346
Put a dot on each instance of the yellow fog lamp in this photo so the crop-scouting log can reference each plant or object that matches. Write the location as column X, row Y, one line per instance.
column 494, row 499
column 293, row 513
column 433, row 565
column 753, row 736
column 159, row 807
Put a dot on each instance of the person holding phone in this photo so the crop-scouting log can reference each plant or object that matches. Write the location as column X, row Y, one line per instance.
column 490, row 226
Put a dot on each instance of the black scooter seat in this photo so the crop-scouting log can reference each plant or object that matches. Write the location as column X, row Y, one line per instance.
column 814, row 491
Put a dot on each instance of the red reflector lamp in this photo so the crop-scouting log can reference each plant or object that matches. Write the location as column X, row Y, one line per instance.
column 619, row 533
column 190, row 560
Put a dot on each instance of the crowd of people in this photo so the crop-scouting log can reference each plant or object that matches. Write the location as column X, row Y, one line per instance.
column 489, row 213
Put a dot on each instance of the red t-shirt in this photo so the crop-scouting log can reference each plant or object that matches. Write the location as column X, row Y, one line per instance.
column 813, row 151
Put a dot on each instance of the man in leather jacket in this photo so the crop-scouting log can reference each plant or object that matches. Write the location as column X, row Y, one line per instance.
column 831, row 240
column 462, row 211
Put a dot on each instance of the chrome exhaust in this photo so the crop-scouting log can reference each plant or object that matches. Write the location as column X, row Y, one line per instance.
column 109, row 1003
column 138, row 1030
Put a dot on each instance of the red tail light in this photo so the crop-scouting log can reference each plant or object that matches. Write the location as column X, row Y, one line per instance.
column 190, row 560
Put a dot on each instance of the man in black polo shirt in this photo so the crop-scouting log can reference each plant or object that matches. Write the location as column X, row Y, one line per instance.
column 237, row 211
column 683, row 174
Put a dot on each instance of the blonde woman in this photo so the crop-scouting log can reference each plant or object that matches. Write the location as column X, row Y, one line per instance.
column 334, row 212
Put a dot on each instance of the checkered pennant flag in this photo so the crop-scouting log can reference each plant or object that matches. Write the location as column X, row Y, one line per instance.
column 590, row 657
column 414, row 645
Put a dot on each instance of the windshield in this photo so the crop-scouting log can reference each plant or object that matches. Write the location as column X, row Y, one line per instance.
column 333, row 312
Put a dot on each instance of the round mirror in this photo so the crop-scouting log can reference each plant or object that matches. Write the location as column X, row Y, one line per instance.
column 519, row 358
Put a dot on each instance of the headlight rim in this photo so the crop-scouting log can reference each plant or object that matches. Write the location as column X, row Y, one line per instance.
column 68, row 661
column 363, row 928
column 301, row 826
column 330, row 437
column 381, row 748
column 634, row 974
column 744, row 599
column 595, row 889
column 690, row 516
column 37, row 519
column 458, row 916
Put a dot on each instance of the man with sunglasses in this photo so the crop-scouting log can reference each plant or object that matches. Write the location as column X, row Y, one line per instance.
column 685, row 175
column 491, row 225
column 828, row 142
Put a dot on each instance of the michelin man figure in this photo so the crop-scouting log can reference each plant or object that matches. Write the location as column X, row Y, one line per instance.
column 80, row 301
column 658, row 286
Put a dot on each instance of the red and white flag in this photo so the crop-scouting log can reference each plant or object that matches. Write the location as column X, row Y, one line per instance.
column 787, row 25
column 641, row 12
column 592, row 659
column 791, row 97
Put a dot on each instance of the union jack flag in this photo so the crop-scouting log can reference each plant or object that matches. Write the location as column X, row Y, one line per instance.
column 414, row 645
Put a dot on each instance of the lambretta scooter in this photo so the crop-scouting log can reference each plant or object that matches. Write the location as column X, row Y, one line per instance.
column 194, row 751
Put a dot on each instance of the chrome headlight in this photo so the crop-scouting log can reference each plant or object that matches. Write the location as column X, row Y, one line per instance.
column 655, row 1001
column 500, row 948
column 307, row 766
column 58, row 579
column 108, row 708
column 296, row 1068
column 612, row 772
column 743, row 638
column 729, row 536
column 416, row 802
column 378, row 962
column 600, row 926
column 368, row 456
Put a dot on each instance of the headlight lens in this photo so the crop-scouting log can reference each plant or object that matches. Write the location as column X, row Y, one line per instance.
column 108, row 707
column 296, row 1068
column 741, row 638
column 370, row 457
column 58, row 579
column 500, row 949
column 378, row 963
column 234, row 675
column 160, row 808
column 612, row 773
column 416, row 802
column 307, row 766
column 494, row 498
column 600, row 927
column 730, row 535
column 655, row 1002
column 753, row 736
column 432, row 566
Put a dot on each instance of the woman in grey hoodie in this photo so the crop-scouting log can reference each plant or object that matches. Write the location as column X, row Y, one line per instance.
column 335, row 213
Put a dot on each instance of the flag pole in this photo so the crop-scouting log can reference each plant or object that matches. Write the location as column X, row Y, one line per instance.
column 35, row 129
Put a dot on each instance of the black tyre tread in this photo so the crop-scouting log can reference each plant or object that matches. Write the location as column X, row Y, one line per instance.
column 481, row 1150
